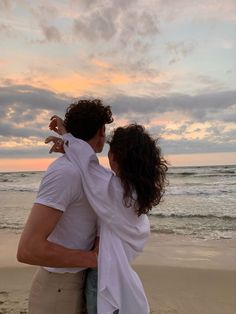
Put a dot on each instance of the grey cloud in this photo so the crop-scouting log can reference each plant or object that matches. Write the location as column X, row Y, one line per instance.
column 99, row 25
column 217, row 139
column 137, row 66
column 230, row 136
column 199, row 107
column 5, row 29
column 212, row 106
column 42, row 10
column 194, row 146
column 209, row 83
column 21, row 105
column 116, row 21
column 141, row 46
column 221, row 133
column 180, row 131
column 179, row 50
column 206, row 79
column 32, row 152
column 85, row 4
column 5, row 4
column 174, row 60
column 89, row 4
column 124, row 4
column 51, row 33
column 135, row 26
column 8, row 129
column 228, row 115
column 148, row 24
column 31, row 97
column 127, row 32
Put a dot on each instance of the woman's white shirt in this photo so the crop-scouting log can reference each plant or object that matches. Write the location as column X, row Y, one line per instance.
column 122, row 233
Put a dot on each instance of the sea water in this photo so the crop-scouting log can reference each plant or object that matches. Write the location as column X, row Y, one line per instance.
column 199, row 201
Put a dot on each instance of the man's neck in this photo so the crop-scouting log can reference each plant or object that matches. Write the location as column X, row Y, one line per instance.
column 93, row 144
column 97, row 141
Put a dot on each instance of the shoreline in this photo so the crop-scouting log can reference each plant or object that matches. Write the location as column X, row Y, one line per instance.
column 180, row 275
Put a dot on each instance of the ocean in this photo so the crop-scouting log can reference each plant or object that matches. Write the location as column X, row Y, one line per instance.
column 200, row 202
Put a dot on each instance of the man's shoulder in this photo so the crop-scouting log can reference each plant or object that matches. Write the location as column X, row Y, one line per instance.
column 60, row 185
column 64, row 166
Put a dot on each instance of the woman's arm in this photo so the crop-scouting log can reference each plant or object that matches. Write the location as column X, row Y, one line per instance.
column 96, row 179
column 103, row 190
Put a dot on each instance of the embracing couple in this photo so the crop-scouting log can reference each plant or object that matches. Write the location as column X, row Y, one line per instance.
column 88, row 223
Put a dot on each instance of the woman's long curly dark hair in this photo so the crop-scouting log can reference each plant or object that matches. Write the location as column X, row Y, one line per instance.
column 142, row 169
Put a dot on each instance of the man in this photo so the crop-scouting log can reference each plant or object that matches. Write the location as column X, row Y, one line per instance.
column 61, row 228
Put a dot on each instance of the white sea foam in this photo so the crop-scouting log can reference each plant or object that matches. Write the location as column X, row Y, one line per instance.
column 199, row 201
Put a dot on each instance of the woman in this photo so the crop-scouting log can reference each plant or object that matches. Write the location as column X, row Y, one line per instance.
column 121, row 198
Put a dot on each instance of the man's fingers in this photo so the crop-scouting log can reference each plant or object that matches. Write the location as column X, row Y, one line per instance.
column 47, row 140
column 57, row 146
column 53, row 139
column 52, row 149
column 54, row 117
column 56, row 124
column 53, row 125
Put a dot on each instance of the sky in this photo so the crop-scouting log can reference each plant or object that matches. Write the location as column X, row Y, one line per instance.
column 167, row 64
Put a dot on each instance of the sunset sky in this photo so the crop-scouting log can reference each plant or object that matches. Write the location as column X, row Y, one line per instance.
column 167, row 64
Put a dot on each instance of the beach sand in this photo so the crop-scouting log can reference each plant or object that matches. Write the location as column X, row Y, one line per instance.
column 180, row 275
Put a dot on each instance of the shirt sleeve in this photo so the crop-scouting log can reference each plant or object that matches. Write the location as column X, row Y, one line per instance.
column 104, row 192
column 101, row 186
column 58, row 188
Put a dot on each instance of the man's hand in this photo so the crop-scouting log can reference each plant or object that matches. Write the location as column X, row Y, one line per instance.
column 57, row 146
column 57, row 125
column 96, row 245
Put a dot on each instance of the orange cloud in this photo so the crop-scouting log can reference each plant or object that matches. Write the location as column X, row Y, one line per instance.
column 70, row 83
column 3, row 62
column 101, row 63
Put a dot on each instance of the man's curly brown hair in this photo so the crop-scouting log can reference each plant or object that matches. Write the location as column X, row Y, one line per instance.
column 142, row 169
column 85, row 117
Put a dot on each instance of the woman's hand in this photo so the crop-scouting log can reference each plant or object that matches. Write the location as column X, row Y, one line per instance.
column 57, row 125
column 58, row 144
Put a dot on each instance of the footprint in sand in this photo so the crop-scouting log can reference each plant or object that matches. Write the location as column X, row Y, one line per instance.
column 3, row 297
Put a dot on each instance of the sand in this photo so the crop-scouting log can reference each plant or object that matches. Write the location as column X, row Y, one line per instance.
column 180, row 275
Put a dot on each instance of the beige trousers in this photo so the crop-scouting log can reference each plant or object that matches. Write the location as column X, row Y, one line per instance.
column 53, row 293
